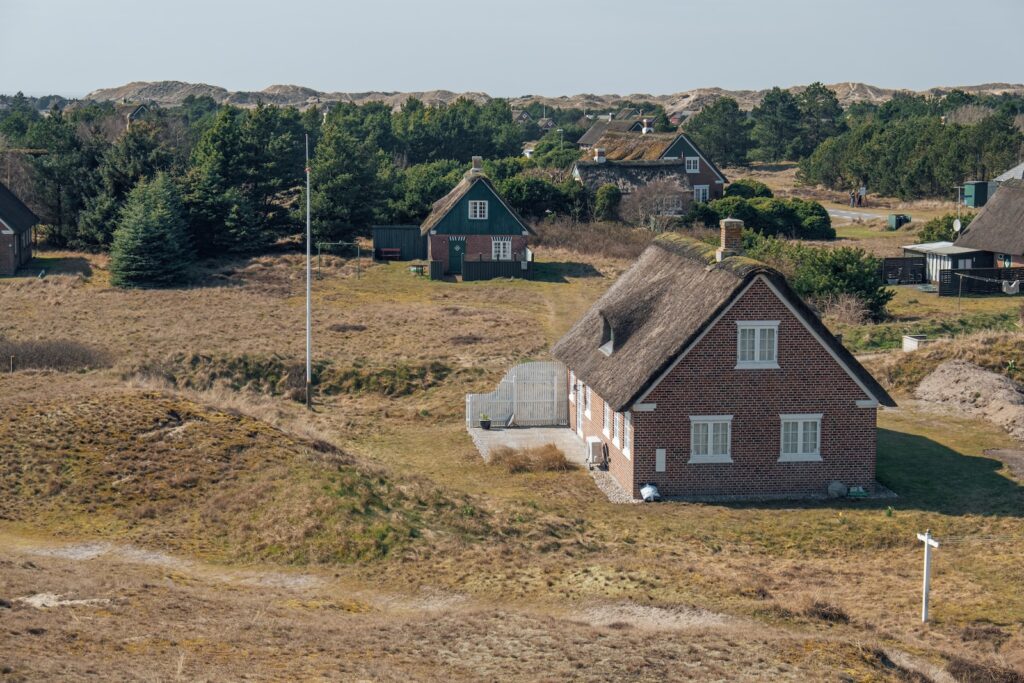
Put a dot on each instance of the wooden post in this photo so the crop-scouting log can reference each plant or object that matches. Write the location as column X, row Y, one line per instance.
column 929, row 543
column 959, row 292
column 12, row 364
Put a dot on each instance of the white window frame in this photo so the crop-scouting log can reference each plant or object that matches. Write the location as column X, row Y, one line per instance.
column 572, row 387
column 800, row 455
column 627, row 433
column 606, row 421
column 501, row 248
column 710, row 421
column 659, row 459
column 478, row 209
column 701, row 193
column 586, row 401
column 693, row 165
column 757, row 363
column 617, row 430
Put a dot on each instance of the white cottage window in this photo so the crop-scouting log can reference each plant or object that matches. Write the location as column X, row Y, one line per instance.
column 693, row 164
column 757, row 345
column 501, row 248
column 710, row 439
column 800, row 437
column 478, row 209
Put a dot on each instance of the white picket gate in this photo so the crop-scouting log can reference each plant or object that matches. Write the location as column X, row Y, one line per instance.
column 530, row 395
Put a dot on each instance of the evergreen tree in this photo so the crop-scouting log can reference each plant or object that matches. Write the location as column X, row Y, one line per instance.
column 151, row 245
column 606, row 202
column 722, row 131
column 777, row 126
column 822, row 117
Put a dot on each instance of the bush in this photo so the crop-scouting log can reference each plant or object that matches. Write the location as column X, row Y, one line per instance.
column 547, row 458
column 819, row 609
column 748, row 188
column 941, row 229
column 791, row 217
column 606, row 202
column 151, row 245
column 62, row 355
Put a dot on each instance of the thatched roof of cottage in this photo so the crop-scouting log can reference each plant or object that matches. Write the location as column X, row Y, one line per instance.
column 602, row 126
column 630, row 175
column 999, row 226
column 443, row 206
column 660, row 306
column 14, row 213
column 635, row 146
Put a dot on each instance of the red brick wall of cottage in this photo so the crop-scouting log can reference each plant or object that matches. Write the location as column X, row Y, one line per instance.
column 478, row 247
column 706, row 382
column 619, row 466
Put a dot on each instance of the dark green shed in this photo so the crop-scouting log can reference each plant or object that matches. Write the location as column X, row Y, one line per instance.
column 407, row 239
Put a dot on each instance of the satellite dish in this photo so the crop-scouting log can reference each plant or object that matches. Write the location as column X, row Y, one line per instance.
column 957, row 225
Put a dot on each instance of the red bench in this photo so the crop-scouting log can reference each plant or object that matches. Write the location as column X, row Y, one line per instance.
column 390, row 254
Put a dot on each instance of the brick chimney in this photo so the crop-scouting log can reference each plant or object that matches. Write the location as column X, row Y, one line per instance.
column 732, row 238
column 478, row 165
column 599, row 155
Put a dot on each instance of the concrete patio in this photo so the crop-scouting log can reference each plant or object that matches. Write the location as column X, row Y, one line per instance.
column 563, row 438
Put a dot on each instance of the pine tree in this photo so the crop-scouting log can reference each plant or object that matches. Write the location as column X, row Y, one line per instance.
column 151, row 243
column 777, row 126
column 722, row 131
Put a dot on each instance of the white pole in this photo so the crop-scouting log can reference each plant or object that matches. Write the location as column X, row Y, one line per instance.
column 309, row 287
column 929, row 543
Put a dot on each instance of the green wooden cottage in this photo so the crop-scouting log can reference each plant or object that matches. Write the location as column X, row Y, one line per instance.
column 472, row 223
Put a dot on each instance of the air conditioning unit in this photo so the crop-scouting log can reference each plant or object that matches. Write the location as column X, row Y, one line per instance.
column 597, row 453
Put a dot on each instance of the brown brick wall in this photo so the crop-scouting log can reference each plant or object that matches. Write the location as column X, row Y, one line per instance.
column 619, row 465
column 478, row 248
column 706, row 382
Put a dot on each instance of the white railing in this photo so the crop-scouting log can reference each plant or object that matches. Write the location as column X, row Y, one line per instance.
column 530, row 395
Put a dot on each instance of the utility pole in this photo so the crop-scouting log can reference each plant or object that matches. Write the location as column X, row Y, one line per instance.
column 929, row 543
column 309, row 289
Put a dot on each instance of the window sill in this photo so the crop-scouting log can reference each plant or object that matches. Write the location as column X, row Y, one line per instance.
column 625, row 452
column 606, row 434
column 586, row 414
column 710, row 459
column 757, row 366
column 800, row 457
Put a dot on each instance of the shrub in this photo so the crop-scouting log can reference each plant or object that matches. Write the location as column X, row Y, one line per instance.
column 547, row 458
column 819, row 609
column 967, row 671
column 940, row 229
column 748, row 188
column 606, row 202
column 791, row 217
column 63, row 355
column 151, row 245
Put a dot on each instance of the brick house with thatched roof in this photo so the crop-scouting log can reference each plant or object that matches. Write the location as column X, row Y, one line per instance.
column 473, row 222
column 703, row 373
column 16, row 222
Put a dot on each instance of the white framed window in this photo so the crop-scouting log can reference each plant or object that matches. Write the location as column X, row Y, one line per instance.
column 586, row 401
column 701, row 193
column 659, row 460
column 501, row 248
column 627, row 433
column 478, row 209
column 757, row 345
column 617, row 430
column 572, row 387
column 606, row 421
column 800, row 437
column 693, row 164
column 710, row 438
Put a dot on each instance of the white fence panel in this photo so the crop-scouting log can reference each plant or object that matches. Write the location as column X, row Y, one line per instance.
column 530, row 395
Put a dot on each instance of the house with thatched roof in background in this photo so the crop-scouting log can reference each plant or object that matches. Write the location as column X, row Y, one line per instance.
column 999, row 226
column 473, row 223
column 701, row 372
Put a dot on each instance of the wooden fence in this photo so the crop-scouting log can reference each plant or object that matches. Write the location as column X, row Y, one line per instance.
column 488, row 270
column 437, row 270
column 532, row 394
column 907, row 270
column 950, row 280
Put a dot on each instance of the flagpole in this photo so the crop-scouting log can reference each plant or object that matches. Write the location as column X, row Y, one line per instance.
column 309, row 288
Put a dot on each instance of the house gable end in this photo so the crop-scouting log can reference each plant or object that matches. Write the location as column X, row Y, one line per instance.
column 683, row 147
column 724, row 318
column 501, row 218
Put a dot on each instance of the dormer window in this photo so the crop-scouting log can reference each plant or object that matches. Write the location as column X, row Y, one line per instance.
column 478, row 210
column 607, row 336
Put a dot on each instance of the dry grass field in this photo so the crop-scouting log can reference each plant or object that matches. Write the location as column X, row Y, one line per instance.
column 218, row 531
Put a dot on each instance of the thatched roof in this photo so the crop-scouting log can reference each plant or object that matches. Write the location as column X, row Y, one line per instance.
column 999, row 226
column 14, row 213
column 630, row 175
column 635, row 146
column 443, row 206
column 602, row 126
column 660, row 306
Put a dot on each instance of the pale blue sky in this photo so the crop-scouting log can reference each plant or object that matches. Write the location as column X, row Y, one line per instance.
column 508, row 48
